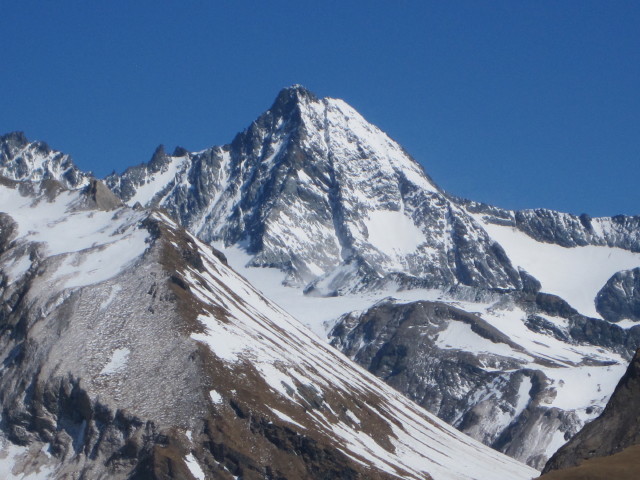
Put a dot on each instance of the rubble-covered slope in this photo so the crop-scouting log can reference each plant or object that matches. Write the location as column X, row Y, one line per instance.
column 130, row 350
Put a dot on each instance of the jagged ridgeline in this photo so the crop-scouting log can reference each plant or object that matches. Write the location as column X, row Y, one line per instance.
column 513, row 326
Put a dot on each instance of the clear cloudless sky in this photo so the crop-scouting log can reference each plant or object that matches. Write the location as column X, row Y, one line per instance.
column 522, row 104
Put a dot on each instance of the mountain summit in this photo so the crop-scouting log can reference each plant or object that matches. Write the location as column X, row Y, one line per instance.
column 313, row 189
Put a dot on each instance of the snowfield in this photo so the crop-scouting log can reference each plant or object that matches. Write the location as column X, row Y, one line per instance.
column 575, row 274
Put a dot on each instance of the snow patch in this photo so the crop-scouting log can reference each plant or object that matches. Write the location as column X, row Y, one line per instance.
column 215, row 397
column 117, row 363
column 460, row 336
column 285, row 417
column 194, row 467
column 393, row 233
column 627, row 324
column 17, row 458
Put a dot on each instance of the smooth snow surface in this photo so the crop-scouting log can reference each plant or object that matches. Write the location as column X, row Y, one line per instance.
column 393, row 233
column 317, row 313
column 215, row 397
column 194, row 467
column 118, row 361
column 575, row 274
column 459, row 336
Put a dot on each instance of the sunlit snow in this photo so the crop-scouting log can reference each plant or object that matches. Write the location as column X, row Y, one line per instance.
column 194, row 467
column 575, row 274
column 393, row 232
column 117, row 362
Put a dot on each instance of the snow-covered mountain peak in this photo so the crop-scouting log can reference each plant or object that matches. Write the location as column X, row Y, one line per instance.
column 22, row 160
column 291, row 96
column 12, row 142
column 312, row 172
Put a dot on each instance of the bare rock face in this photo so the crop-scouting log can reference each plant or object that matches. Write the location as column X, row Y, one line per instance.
column 100, row 197
column 615, row 430
column 619, row 299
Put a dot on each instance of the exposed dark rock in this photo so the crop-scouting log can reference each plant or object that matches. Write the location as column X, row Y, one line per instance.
column 620, row 466
column 620, row 297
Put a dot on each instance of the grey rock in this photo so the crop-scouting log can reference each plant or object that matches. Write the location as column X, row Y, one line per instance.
column 22, row 160
column 619, row 299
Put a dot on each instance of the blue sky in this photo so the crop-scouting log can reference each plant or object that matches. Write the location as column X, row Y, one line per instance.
column 522, row 104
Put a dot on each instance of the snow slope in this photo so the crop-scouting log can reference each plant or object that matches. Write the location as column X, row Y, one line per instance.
column 575, row 274
column 287, row 354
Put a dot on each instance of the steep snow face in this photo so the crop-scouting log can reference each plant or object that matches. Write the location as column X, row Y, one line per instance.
column 34, row 161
